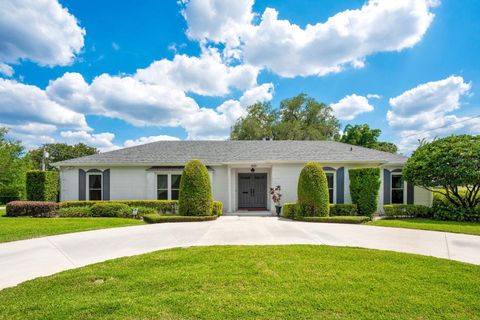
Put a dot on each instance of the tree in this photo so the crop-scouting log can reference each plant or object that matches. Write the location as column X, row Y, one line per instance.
column 195, row 197
column 449, row 166
column 256, row 125
column 312, row 191
column 362, row 135
column 298, row 118
column 13, row 168
column 59, row 152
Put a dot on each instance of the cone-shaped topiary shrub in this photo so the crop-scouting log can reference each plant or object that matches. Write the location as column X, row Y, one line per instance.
column 195, row 198
column 364, row 186
column 312, row 191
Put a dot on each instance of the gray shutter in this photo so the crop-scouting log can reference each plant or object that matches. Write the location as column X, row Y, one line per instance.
column 386, row 187
column 82, row 184
column 340, row 185
column 106, row 184
column 410, row 193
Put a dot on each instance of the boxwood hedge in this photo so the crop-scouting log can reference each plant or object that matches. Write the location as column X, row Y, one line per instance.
column 195, row 197
column 312, row 191
column 364, row 187
column 42, row 185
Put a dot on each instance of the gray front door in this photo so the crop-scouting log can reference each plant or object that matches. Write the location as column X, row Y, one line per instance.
column 252, row 190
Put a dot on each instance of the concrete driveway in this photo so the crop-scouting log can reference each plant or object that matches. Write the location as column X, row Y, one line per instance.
column 29, row 259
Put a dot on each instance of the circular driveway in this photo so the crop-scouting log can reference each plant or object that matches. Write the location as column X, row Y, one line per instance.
column 28, row 259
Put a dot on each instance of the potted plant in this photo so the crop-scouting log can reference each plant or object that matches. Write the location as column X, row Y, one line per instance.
column 276, row 197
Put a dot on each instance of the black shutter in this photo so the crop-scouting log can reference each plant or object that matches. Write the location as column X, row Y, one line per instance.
column 340, row 185
column 386, row 187
column 82, row 184
column 106, row 184
column 410, row 193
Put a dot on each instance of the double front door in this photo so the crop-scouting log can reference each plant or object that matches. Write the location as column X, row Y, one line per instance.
column 252, row 190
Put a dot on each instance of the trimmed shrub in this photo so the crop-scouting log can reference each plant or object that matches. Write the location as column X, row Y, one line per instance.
column 31, row 209
column 217, row 208
column 157, row 218
column 336, row 219
column 312, row 191
column 144, row 210
column 406, row 211
column 289, row 210
column 75, row 212
column 111, row 209
column 442, row 209
column 343, row 209
column 364, row 186
column 195, row 197
column 42, row 185
column 161, row 206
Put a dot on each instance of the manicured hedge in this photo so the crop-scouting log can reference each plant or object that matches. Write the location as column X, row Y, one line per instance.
column 162, row 206
column 364, row 187
column 195, row 196
column 289, row 210
column 217, row 208
column 31, row 209
column 343, row 209
column 442, row 209
column 312, row 191
column 336, row 219
column 42, row 185
column 157, row 218
column 407, row 211
column 106, row 209
column 75, row 212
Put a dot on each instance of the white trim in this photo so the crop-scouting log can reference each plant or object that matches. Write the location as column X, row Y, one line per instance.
column 334, row 185
column 404, row 188
column 87, row 184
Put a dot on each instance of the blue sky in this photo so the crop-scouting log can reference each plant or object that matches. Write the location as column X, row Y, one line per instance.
column 112, row 75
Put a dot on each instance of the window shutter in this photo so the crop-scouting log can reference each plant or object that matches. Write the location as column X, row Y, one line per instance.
column 340, row 185
column 106, row 184
column 82, row 184
column 410, row 193
column 386, row 186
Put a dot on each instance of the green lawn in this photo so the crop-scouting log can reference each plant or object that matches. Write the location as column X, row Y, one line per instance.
column 254, row 282
column 2, row 212
column 12, row 229
column 435, row 225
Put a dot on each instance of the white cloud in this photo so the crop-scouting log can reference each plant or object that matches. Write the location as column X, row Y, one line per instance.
column 21, row 104
column 6, row 70
column 41, row 31
column 219, row 21
column 426, row 112
column 215, row 124
column 102, row 141
column 349, row 107
column 373, row 96
column 115, row 46
column 204, row 75
column 289, row 50
column 149, row 139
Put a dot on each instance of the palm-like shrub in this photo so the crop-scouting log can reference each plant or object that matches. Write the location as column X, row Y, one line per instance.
column 195, row 198
column 312, row 191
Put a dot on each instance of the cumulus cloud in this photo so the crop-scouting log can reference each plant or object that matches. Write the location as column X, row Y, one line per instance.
column 6, row 70
column 41, row 31
column 21, row 104
column 204, row 75
column 345, row 39
column 149, row 139
column 349, row 107
column 425, row 112
column 102, row 141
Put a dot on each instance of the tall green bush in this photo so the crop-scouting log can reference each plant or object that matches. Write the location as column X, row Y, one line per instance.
column 312, row 191
column 195, row 198
column 42, row 185
column 364, row 186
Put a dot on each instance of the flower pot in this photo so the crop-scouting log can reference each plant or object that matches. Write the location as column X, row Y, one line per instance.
column 278, row 210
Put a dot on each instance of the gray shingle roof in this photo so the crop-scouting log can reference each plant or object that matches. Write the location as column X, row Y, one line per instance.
column 218, row 152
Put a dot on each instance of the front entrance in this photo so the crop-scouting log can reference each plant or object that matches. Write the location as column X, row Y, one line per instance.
column 252, row 190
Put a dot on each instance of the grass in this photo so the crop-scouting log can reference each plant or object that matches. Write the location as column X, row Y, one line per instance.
column 12, row 229
column 336, row 219
column 2, row 212
column 427, row 224
column 254, row 282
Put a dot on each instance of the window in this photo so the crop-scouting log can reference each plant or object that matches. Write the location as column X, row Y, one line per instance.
column 397, row 189
column 168, row 186
column 94, row 186
column 175, row 185
column 330, row 180
column 162, row 187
